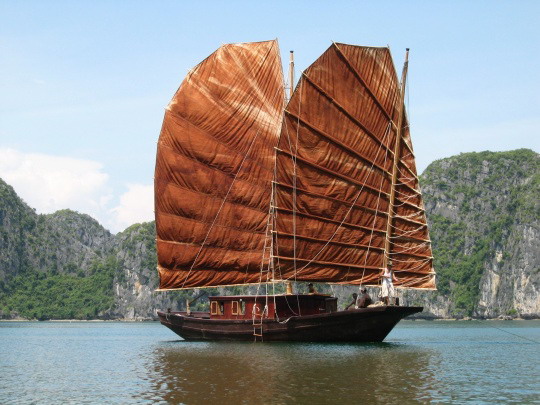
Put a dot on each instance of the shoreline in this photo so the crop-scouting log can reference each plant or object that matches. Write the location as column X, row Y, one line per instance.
column 79, row 320
column 157, row 320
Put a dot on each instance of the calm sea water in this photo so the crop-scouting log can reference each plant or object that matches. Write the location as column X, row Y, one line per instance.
column 114, row 362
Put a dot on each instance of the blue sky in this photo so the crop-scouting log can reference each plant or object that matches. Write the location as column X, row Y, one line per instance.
column 83, row 85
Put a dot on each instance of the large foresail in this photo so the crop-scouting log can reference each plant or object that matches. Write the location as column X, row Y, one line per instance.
column 334, row 168
column 214, row 168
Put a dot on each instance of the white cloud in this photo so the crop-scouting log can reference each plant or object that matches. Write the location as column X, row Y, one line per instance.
column 49, row 183
column 136, row 205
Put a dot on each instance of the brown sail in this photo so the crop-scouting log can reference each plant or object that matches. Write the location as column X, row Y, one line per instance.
column 334, row 178
column 345, row 195
column 214, row 168
column 248, row 191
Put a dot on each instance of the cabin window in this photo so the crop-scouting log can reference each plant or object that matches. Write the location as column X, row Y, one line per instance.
column 217, row 308
column 238, row 307
column 214, row 308
column 242, row 308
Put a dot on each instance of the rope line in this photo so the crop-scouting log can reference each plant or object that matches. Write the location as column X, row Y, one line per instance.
column 510, row 333
column 344, row 218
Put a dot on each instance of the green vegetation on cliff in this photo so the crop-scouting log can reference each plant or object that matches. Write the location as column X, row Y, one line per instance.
column 45, row 295
column 52, row 266
column 473, row 202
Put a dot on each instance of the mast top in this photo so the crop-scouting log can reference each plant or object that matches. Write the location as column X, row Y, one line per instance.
column 291, row 74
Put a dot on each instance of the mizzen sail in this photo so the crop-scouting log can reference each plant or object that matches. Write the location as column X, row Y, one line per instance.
column 214, row 168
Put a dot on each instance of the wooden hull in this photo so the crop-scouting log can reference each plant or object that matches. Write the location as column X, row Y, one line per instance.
column 359, row 325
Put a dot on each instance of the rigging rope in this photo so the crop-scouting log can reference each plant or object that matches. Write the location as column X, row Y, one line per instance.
column 274, row 216
column 347, row 213
column 294, row 156
column 510, row 333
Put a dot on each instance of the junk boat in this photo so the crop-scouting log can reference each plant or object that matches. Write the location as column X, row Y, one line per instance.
column 315, row 318
column 254, row 188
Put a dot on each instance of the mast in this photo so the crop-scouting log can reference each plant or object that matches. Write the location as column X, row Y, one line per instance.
column 288, row 283
column 291, row 74
column 396, row 160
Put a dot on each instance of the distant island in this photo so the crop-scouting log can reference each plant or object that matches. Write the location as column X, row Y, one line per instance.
column 483, row 210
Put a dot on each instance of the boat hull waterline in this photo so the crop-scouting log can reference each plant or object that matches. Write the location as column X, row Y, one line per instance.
column 359, row 325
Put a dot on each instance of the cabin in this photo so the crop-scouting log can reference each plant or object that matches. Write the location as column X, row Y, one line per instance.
column 278, row 306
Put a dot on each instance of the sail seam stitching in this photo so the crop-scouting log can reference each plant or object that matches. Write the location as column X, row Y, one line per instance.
column 344, row 111
column 356, row 74
column 340, row 144
column 176, row 185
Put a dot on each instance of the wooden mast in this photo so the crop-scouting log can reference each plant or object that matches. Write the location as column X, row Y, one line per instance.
column 288, row 284
column 396, row 160
column 291, row 74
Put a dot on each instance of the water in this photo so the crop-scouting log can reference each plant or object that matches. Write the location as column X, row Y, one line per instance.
column 115, row 362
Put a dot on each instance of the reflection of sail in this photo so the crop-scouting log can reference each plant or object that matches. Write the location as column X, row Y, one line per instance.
column 334, row 176
column 234, row 373
column 214, row 168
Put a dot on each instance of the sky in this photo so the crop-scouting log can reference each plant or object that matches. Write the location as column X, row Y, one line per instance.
column 83, row 85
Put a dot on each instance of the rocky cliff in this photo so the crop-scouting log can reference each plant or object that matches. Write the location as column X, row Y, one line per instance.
column 60, row 265
column 484, row 216
column 137, row 278
column 63, row 242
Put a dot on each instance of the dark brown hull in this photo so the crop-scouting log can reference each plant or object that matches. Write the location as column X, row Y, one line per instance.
column 359, row 325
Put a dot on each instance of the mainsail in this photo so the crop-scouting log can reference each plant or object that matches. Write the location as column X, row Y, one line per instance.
column 334, row 176
column 234, row 166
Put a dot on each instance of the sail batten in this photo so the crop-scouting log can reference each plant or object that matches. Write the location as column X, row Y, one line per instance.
column 178, row 143
column 330, row 220
column 348, row 114
column 339, row 143
column 344, row 177
column 334, row 242
column 299, row 191
column 359, row 78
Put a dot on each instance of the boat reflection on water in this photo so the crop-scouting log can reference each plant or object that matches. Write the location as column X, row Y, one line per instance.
column 187, row 372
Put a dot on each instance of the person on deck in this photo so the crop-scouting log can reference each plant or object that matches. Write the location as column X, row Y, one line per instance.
column 387, row 290
column 353, row 303
column 365, row 299
column 311, row 289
